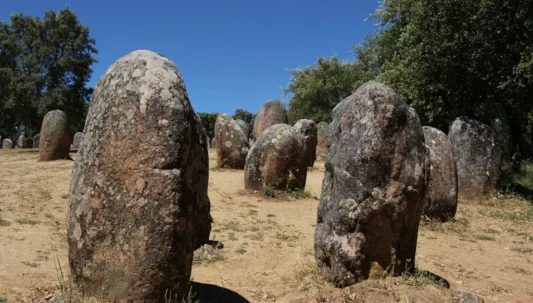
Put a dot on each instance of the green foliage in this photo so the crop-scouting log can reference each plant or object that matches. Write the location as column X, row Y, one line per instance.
column 244, row 115
column 316, row 90
column 208, row 121
column 449, row 58
column 44, row 65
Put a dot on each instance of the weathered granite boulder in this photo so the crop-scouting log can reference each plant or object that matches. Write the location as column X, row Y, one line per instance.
column 78, row 137
column 309, row 131
column 244, row 126
column 272, row 112
column 373, row 188
column 7, row 144
column 277, row 160
column 231, row 143
column 138, row 194
column 441, row 194
column 477, row 155
column 55, row 137
column 36, row 140
column 322, row 140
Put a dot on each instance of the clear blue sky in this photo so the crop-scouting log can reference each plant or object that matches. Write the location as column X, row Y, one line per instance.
column 231, row 53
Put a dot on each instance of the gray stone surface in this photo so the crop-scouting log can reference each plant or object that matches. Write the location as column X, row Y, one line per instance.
column 78, row 137
column 277, row 160
column 7, row 144
column 441, row 195
column 231, row 143
column 309, row 131
column 213, row 143
column 244, row 126
column 36, row 141
column 272, row 112
column 322, row 141
column 138, row 195
column 55, row 137
column 22, row 142
column 373, row 188
column 477, row 156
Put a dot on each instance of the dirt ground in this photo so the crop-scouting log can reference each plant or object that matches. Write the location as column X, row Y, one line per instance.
column 268, row 253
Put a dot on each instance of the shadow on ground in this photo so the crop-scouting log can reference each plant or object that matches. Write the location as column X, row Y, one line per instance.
column 215, row 294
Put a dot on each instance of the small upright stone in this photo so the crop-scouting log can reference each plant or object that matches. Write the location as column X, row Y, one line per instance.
column 373, row 188
column 309, row 131
column 208, row 142
column 55, row 135
column 322, row 141
column 78, row 137
column 21, row 142
column 272, row 112
column 244, row 126
column 441, row 194
column 213, row 143
column 477, row 156
column 36, row 140
column 231, row 143
column 7, row 144
column 138, row 194
column 277, row 160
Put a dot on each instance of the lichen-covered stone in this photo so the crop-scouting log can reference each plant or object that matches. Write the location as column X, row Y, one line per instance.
column 138, row 194
column 441, row 193
column 244, row 126
column 322, row 141
column 272, row 112
column 78, row 137
column 55, row 137
column 277, row 160
column 7, row 144
column 36, row 140
column 373, row 188
column 309, row 131
column 231, row 143
column 477, row 155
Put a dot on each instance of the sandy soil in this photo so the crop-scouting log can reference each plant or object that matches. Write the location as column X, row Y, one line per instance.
column 268, row 253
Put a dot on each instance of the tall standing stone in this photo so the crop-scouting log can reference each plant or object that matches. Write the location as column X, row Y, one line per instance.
column 138, row 194
column 309, row 132
column 477, row 155
column 373, row 188
column 78, row 137
column 244, row 126
column 277, row 160
column 7, row 144
column 441, row 194
column 322, row 140
column 55, row 137
column 231, row 143
column 36, row 141
column 272, row 112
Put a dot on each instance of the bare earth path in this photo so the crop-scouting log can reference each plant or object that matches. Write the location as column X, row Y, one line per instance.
column 268, row 253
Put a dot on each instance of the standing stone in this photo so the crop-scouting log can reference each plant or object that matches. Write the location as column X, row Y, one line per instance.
column 21, row 142
column 1, row 141
column 373, row 188
column 78, row 137
column 441, row 193
column 36, row 140
column 277, row 160
column 213, row 143
column 55, row 135
column 7, row 144
column 231, row 143
column 138, row 194
column 322, row 141
column 208, row 142
column 309, row 131
column 244, row 126
column 477, row 155
column 272, row 112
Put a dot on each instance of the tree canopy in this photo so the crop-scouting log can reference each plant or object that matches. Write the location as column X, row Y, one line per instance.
column 44, row 65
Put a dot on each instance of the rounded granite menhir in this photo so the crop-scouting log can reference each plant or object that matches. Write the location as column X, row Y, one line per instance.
column 55, row 137
column 138, row 195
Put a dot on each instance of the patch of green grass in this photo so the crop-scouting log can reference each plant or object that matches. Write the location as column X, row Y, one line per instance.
column 255, row 237
column 231, row 225
column 27, row 221
column 300, row 194
column 4, row 222
column 241, row 251
column 232, row 237
column 252, row 212
column 485, row 238
column 271, row 216
column 493, row 231
column 30, row 263
column 65, row 196
column 523, row 250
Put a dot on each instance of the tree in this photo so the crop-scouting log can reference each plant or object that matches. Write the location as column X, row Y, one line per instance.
column 208, row 121
column 44, row 65
column 315, row 90
column 244, row 115
column 449, row 58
